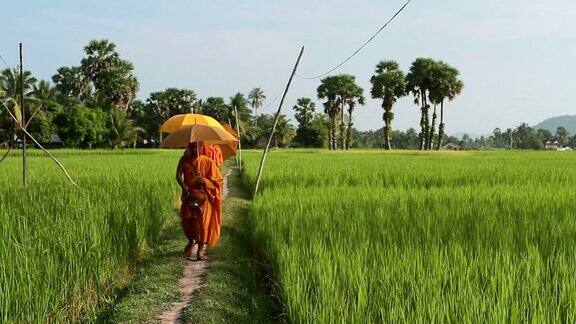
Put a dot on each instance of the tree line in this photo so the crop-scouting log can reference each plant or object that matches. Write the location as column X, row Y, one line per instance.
column 430, row 82
column 93, row 104
column 521, row 137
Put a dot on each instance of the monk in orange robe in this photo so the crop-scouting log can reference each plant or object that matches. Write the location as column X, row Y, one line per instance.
column 200, row 220
column 214, row 152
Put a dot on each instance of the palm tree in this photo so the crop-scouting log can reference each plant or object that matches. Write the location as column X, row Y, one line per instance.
column 100, row 56
column 350, row 94
column 43, row 92
column 419, row 80
column 239, row 105
column 10, row 86
column 216, row 108
column 284, row 132
column 304, row 109
column 388, row 84
column 256, row 97
column 328, row 90
column 447, row 85
column 562, row 135
column 122, row 129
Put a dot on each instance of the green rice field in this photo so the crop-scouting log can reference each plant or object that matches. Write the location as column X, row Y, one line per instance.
column 360, row 236
column 419, row 237
column 64, row 250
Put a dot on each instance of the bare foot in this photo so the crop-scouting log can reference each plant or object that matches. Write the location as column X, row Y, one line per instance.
column 188, row 249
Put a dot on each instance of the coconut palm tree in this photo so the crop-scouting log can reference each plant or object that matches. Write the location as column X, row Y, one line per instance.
column 447, row 85
column 239, row 104
column 10, row 86
column 256, row 97
column 388, row 84
column 328, row 90
column 284, row 132
column 418, row 82
column 122, row 131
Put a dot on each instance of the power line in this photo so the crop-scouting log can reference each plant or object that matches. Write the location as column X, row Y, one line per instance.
column 359, row 48
column 4, row 61
column 271, row 102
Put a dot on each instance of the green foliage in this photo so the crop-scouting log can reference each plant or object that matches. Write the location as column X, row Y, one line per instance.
column 159, row 107
column 70, row 82
column 11, row 87
column 338, row 91
column 82, row 127
column 388, row 84
column 304, row 111
column 419, row 237
column 121, row 130
column 217, row 108
column 256, row 97
column 562, row 135
column 314, row 134
column 73, row 247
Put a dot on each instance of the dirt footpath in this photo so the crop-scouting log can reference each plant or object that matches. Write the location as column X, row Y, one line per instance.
column 191, row 279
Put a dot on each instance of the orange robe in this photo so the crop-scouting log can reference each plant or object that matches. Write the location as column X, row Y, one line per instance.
column 203, row 224
column 214, row 152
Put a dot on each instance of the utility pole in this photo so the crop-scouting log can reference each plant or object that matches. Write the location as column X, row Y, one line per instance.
column 263, row 161
column 23, row 123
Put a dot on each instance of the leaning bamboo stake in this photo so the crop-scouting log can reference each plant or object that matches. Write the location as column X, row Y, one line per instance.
column 23, row 113
column 6, row 154
column 276, row 122
column 239, row 155
column 40, row 146
column 236, row 156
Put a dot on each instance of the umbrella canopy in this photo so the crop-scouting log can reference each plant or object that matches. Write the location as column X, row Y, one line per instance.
column 230, row 129
column 209, row 135
column 174, row 123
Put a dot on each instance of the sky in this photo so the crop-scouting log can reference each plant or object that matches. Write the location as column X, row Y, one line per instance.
column 516, row 57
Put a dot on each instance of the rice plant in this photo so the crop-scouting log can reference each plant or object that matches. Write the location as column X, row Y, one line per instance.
column 419, row 237
column 63, row 250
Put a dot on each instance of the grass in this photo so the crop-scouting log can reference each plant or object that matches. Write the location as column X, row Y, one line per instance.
column 111, row 251
column 419, row 237
column 155, row 286
column 233, row 290
column 63, row 250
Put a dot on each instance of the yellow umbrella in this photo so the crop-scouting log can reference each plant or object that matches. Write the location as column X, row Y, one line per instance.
column 174, row 123
column 208, row 135
column 230, row 129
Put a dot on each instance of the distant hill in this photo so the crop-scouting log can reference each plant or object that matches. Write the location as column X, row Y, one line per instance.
column 551, row 124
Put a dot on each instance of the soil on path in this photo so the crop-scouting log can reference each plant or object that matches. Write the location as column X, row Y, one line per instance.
column 191, row 279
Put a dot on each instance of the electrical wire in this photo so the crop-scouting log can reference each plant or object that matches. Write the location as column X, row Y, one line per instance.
column 359, row 48
column 271, row 102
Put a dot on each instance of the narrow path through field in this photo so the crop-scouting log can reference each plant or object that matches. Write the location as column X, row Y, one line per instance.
column 191, row 279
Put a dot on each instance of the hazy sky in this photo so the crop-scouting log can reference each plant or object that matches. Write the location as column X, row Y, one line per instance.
column 516, row 57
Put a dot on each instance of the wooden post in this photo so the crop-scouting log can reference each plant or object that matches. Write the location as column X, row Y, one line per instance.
column 276, row 122
column 235, row 157
column 39, row 145
column 239, row 155
column 23, row 123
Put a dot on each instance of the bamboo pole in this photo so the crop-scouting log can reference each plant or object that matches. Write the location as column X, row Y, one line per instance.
column 23, row 113
column 239, row 155
column 236, row 156
column 261, row 168
column 40, row 146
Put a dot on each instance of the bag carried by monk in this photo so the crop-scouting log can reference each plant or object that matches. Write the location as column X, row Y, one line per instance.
column 198, row 195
